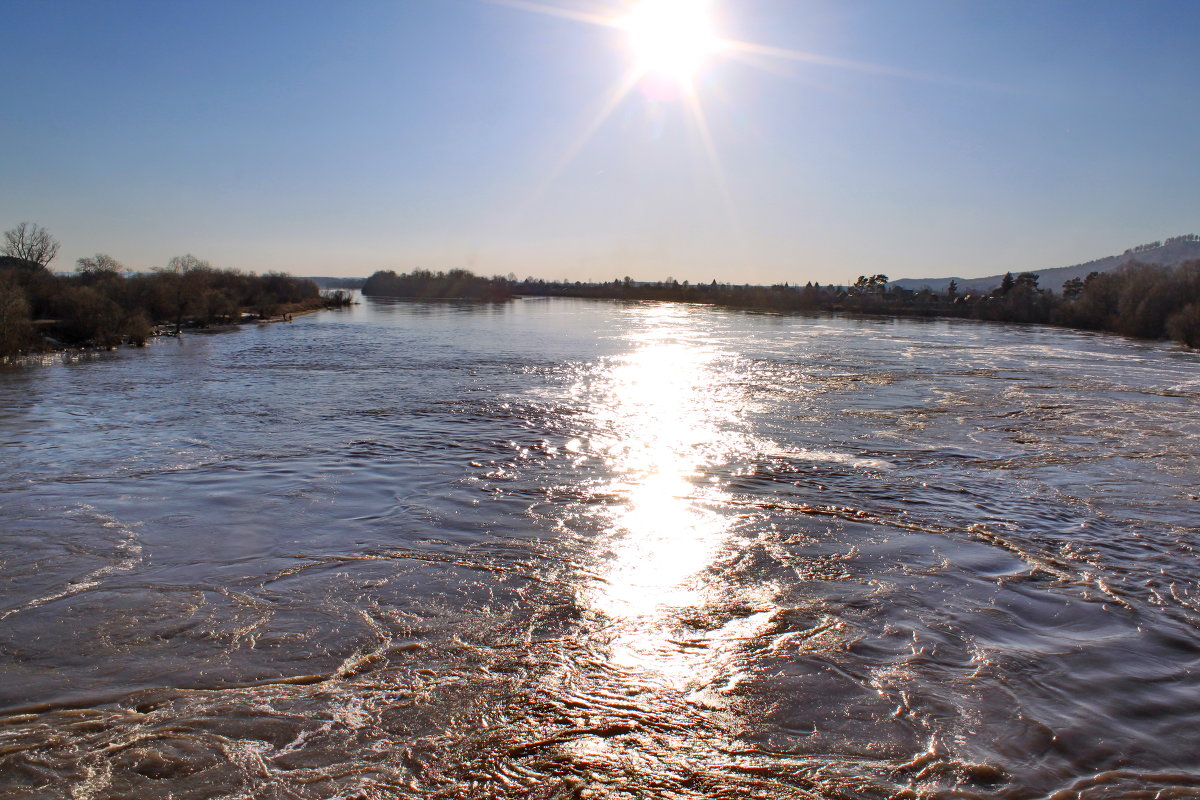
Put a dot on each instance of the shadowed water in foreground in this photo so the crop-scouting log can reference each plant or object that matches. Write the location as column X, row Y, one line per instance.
column 572, row 549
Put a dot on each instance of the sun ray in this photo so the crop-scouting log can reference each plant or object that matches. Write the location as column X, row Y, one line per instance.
column 737, row 48
column 607, row 21
column 616, row 95
column 611, row 102
column 692, row 98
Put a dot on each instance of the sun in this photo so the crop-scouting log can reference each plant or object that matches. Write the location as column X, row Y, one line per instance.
column 672, row 38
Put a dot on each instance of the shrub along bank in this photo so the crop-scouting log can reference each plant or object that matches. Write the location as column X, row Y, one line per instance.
column 102, row 306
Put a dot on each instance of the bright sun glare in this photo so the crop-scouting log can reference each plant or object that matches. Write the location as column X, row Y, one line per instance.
column 672, row 38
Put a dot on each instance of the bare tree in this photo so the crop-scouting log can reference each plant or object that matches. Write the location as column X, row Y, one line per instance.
column 188, row 263
column 32, row 243
column 99, row 264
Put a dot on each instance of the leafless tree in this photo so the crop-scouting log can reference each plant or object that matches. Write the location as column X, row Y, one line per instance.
column 99, row 264
column 181, row 265
column 32, row 243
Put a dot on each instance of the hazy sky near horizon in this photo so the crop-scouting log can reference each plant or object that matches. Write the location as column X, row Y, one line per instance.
column 921, row 139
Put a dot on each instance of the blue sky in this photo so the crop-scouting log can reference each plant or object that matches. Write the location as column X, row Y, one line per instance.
column 336, row 139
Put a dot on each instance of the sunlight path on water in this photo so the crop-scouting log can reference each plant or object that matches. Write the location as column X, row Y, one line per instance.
column 668, row 414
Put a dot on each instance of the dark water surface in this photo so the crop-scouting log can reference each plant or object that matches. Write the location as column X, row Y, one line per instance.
column 572, row 549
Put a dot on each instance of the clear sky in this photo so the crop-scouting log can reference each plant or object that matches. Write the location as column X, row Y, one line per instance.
column 920, row 139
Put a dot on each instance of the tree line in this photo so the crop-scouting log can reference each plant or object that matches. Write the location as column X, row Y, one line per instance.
column 1142, row 248
column 1145, row 301
column 102, row 304
column 1139, row 300
column 458, row 284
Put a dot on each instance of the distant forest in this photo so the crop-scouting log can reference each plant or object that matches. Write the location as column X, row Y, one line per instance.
column 102, row 305
column 1139, row 300
column 457, row 284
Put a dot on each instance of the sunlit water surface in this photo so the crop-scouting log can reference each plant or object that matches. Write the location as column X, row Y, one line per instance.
column 569, row 549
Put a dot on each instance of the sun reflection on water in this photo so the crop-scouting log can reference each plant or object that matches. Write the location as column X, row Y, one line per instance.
column 667, row 419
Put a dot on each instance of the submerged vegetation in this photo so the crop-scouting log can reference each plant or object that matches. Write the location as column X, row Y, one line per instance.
column 102, row 305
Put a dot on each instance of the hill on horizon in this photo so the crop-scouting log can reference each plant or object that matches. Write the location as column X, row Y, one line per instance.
column 1168, row 253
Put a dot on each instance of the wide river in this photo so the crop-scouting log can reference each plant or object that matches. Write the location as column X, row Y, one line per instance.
column 573, row 549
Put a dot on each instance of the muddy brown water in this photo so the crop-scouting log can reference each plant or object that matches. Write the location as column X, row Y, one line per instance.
column 561, row 548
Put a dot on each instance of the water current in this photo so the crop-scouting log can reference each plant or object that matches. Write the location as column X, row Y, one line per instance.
column 573, row 549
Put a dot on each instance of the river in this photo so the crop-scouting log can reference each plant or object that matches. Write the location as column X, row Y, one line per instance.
column 576, row 549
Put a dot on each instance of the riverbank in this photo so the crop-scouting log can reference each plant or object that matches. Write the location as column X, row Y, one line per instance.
column 41, row 311
column 1141, row 301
